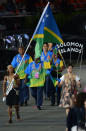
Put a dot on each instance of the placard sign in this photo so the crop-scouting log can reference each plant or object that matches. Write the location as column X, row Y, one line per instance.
column 68, row 47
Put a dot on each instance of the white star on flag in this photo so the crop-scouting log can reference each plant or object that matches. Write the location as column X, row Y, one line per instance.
column 47, row 15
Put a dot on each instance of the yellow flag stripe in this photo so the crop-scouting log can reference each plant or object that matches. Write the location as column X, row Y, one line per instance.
column 38, row 36
column 51, row 32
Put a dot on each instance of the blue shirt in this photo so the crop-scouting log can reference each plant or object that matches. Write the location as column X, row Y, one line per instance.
column 57, row 61
column 46, row 57
column 16, row 60
column 50, row 52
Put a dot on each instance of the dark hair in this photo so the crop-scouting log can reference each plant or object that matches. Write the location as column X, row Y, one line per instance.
column 69, row 64
column 45, row 43
column 37, row 60
column 21, row 46
column 80, row 98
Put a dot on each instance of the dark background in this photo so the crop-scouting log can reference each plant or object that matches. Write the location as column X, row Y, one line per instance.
column 21, row 17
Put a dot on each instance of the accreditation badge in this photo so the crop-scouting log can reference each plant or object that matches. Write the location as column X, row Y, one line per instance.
column 37, row 75
column 47, row 65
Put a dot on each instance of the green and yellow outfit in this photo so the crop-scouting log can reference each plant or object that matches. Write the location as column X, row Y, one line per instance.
column 23, row 90
column 36, row 75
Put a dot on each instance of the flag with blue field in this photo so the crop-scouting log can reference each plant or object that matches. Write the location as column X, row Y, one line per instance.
column 46, row 31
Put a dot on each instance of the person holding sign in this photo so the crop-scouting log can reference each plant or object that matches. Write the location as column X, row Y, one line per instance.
column 12, row 99
column 60, row 69
column 54, row 77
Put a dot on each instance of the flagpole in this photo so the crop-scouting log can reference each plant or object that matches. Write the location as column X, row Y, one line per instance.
column 41, row 18
column 34, row 33
column 10, row 86
column 70, row 52
column 81, row 62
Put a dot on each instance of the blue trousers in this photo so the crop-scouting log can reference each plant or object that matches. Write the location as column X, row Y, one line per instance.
column 58, row 92
column 37, row 93
column 23, row 92
column 47, row 86
column 53, row 90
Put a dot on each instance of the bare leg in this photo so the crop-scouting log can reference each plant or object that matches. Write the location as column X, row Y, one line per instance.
column 17, row 112
column 67, row 111
column 10, row 114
